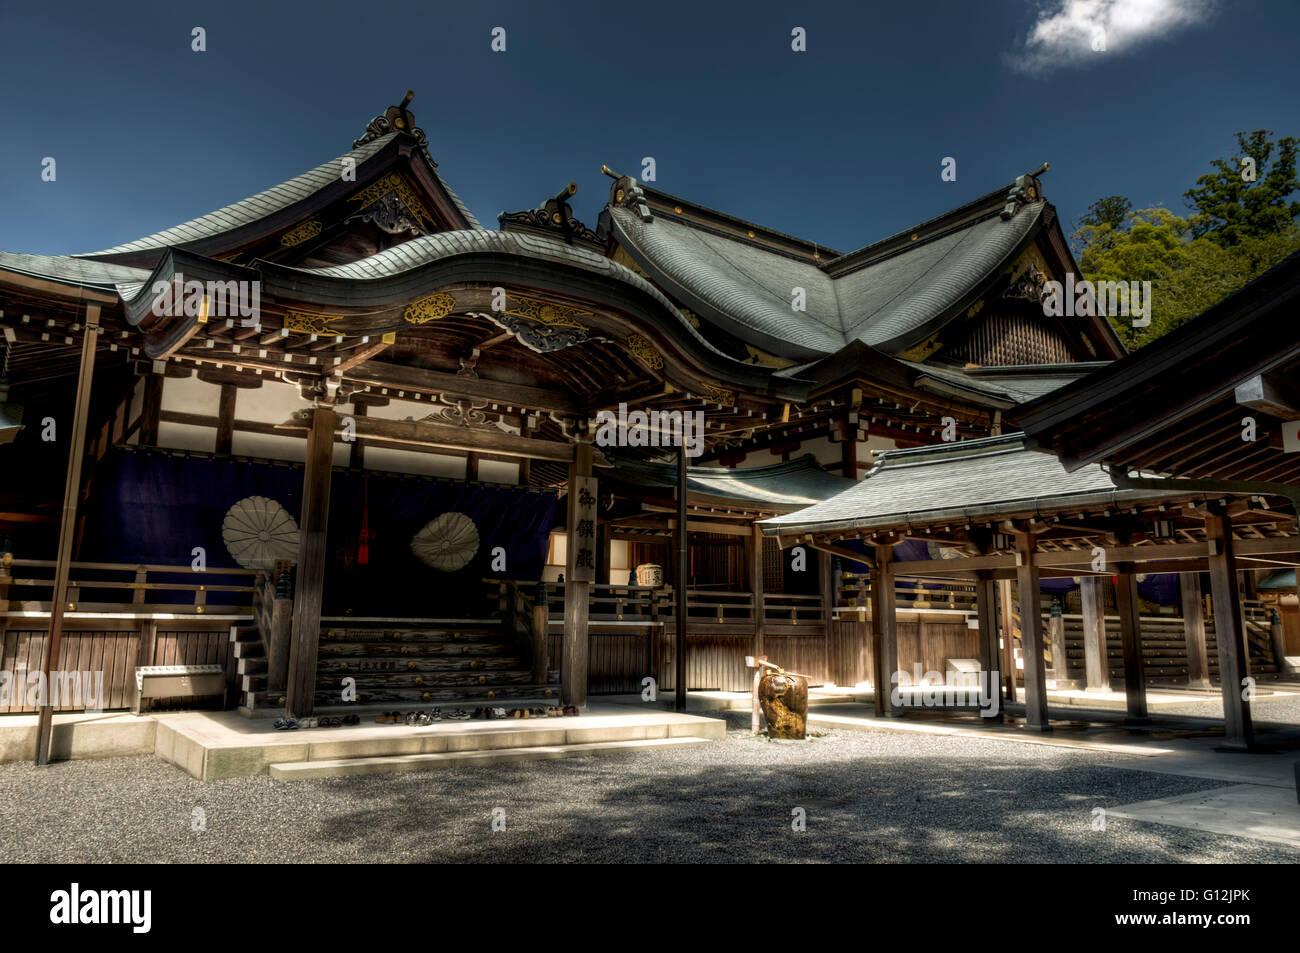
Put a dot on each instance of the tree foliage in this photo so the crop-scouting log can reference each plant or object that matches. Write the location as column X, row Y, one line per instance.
column 1236, row 232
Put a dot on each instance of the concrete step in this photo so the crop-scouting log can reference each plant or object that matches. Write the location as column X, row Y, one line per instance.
column 422, row 762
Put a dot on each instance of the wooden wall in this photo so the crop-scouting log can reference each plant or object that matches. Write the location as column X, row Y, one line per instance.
column 113, row 652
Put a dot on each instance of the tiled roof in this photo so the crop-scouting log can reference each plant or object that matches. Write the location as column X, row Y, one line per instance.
column 779, row 486
column 954, row 482
column 70, row 270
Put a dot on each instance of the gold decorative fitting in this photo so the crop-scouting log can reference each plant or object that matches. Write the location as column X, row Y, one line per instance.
column 751, row 234
column 913, row 237
column 677, row 209
column 296, row 236
column 396, row 184
column 543, row 312
column 304, row 323
column 426, row 697
column 640, row 348
column 419, row 679
column 719, row 395
column 428, row 309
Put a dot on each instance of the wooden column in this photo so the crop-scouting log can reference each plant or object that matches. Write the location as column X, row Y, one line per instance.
column 884, row 629
column 826, row 579
column 1198, row 649
column 300, row 688
column 226, row 419
column 1059, row 674
column 1130, row 635
column 682, row 566
column 849, row 449
column 1031, row 629
column 986, row 617
column 357, row 458
column 151, row 409
column 1008, row 640
column 1094, row 634
column 1229, row 631
column 67, row 527
column 577, row 590
column 754, row 550
column 471, row 467
column 143, row 656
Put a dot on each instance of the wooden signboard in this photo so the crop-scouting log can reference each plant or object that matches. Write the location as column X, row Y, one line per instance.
column 582, row 529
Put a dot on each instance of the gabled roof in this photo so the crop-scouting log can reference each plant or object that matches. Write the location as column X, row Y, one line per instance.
column 781, row 486
column 956, row 483
column 71, row 270
column 890, row 294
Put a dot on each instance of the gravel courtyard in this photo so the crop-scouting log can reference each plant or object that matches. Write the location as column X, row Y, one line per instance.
column 868, row 796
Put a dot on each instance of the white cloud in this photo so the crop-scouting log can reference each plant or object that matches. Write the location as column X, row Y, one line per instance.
column 1068, row 32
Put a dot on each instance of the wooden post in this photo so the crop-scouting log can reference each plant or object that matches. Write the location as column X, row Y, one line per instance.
column 683, row 578
column 151, row 409
column 67, row 527
column 884, row 629
column 143, row 656
column 1060, row 670
column 1031, row 629
column 1008, row 640
column 1238, row 730
column 1198, row 650
column 277, row 651
column 755, row 553
column 471, row 467
column 985, row 609
column 1130, row 634
column 1094, row 634
column 357, row 454
column 226, row 419
column 300, row 694
column 577, row 586
column 826, row 576
column 541, row 632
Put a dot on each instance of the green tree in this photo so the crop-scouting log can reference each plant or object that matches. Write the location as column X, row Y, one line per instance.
column 1247, row 196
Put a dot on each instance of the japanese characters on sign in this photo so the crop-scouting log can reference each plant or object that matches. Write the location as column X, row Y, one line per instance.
column 582, row 530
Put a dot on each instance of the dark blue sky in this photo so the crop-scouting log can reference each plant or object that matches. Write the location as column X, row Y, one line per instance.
column 841, row 144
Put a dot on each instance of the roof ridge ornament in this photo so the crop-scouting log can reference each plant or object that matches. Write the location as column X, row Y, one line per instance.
column 1024, row 190
column 396, row 119
column 553, row 215
column 627, row 193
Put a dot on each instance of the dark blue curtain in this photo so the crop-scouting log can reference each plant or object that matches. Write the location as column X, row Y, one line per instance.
column 151, row 506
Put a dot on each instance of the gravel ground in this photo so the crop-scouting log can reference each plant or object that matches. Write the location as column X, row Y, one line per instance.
column 868, row 796
column 1265, row 709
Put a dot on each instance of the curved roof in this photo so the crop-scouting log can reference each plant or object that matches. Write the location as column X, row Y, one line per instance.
column 72, row 270
column 888, row 295
column 779, row 486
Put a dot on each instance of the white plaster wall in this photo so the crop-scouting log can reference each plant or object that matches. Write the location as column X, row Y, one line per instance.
column 498, row 471
column 186, row 437
column 411, row 461
column 189, row 395
column 272, row 403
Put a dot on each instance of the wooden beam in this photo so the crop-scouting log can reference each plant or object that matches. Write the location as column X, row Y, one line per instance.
column 1031, row 630
column 577, row 590
column 933, row 567
column 226, row 419
column 395, row 376
column 67, row 527
column 360, row 356
column 150, row 409
column 1270, row 394
column 423, row 433
column 1229, row 631
column 682, row 565
column 1008, row 639
column 301, row 683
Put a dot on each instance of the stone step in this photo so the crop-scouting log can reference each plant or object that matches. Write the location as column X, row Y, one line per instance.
column 432, row 694
column 407, row 636
column 478, row 648
column 303, row 770
column 394, row 666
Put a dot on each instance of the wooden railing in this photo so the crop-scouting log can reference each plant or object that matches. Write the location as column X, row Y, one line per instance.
column 221, row 591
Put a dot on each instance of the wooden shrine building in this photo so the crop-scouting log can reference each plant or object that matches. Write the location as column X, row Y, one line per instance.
column 344, row 399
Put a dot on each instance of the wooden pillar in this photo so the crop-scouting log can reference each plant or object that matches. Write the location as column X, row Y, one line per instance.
column 683, row 578
column 1008, row 640
column 143, row 656
column 826, row 578
column 986, row 617
column 579, row 571
column 281, row 634
column 884, row 629
column 754, row 550
column 471, row 467
column 1095, row 661
column 1031, row 629
column 1238, row 731
column 357, row 458
column 849, row 448
column 1059, row 674
column 67, row 527
column 1198, row 650
column 1130, row 635
column 300, row 688
column 151, row 409
column 226, row 419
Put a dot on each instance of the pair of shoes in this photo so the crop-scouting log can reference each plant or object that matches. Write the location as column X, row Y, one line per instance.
column 518, row 713
column 497, row 713
column 390, row 718
column 285, row 724
column 570, row 710
column 459, row 714
column 537, row 712
column 351, row 719
column 308, row 722
column 436, row 714
column 329, row 721
column 554, row 712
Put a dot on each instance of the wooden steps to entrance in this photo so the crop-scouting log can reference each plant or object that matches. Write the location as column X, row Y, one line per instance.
column 471, row 662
